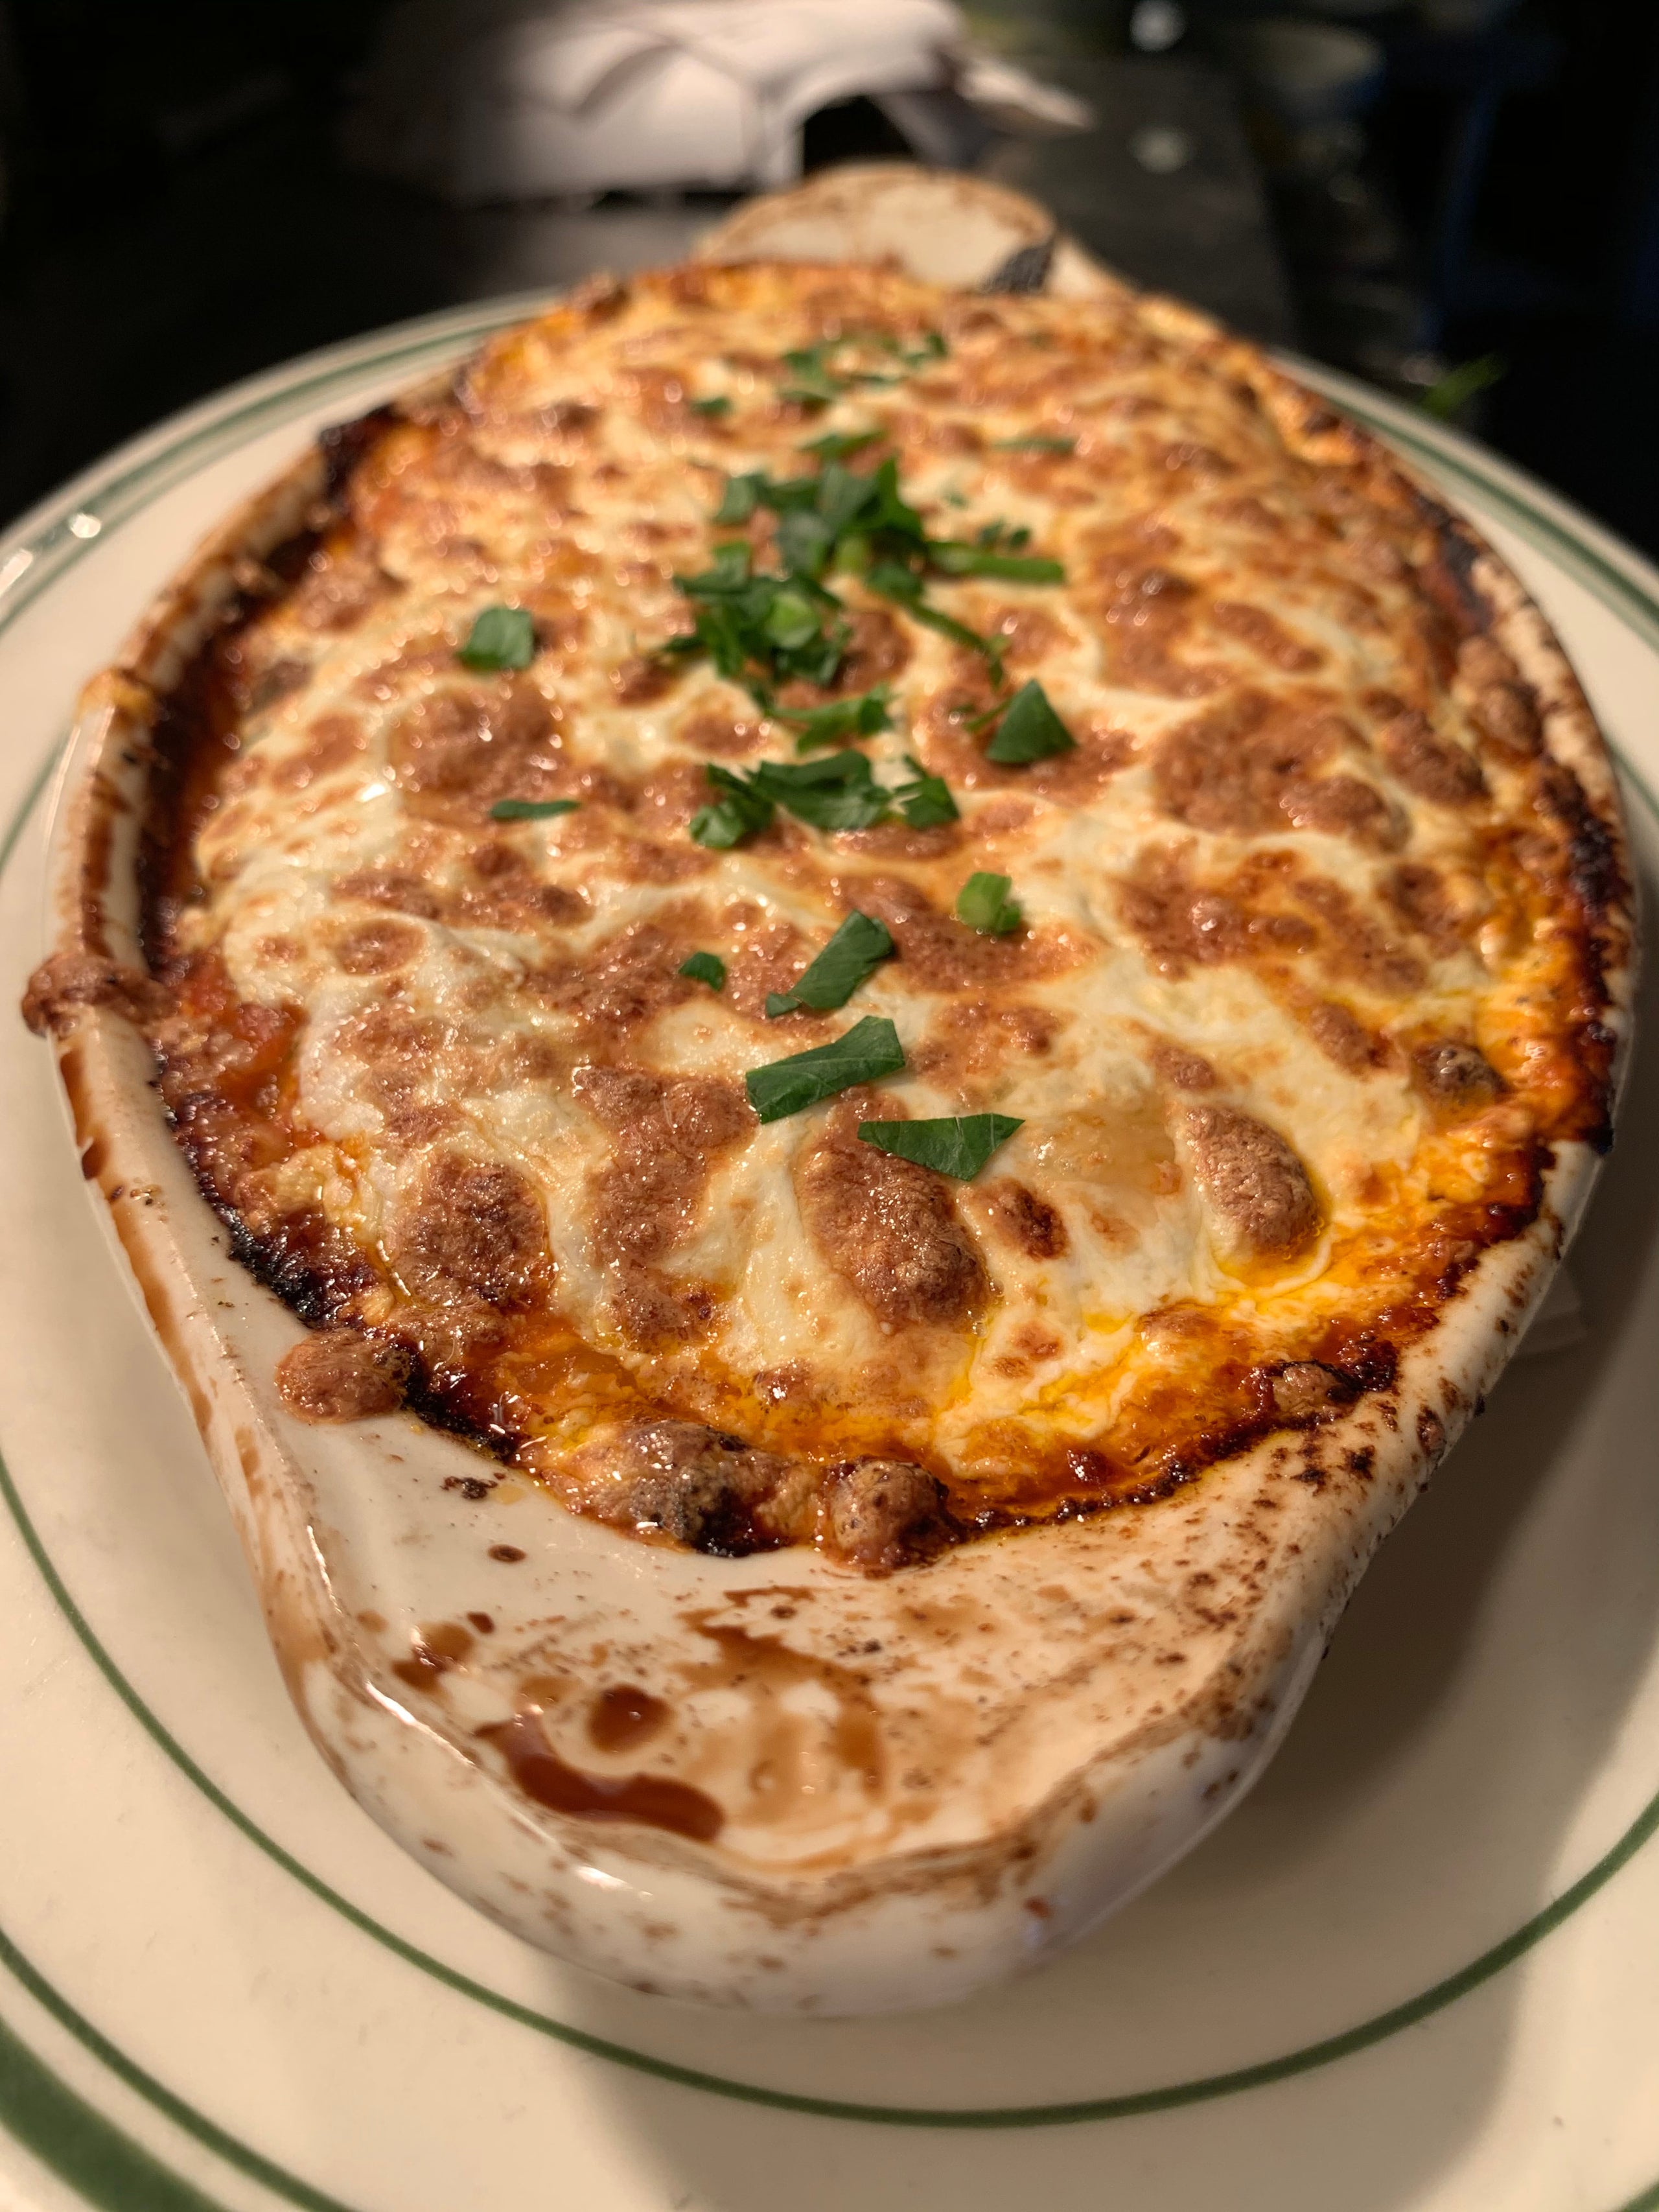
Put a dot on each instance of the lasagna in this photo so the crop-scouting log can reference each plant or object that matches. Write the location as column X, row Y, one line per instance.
column 822, row 911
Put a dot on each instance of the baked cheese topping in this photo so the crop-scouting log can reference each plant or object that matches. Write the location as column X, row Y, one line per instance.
column 1280, row 963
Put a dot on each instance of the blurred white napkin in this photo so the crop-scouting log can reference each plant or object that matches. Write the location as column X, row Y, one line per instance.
column 484, row 99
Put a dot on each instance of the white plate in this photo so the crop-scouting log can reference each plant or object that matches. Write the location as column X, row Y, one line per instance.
column 1419, row 1968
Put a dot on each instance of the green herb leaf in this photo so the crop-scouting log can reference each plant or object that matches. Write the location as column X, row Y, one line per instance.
column 887, row 512
column 500, row 637
column 836, row 445
column 718, row 404
column 532, row 810
column 864, row 1054
column 890, row 580
column 925, row 803
column 957, row 1145
column 859, row 716
column 740, row 498
column 1029, row 731
column 736, row 815
column 791, row 620
column 783, row 494
column 810, row 382
column 955, row 560
column 838, row 791
column 705, row 968
column 984, row 904
column 854, row 952
column 803, row 542
column 1034, row 446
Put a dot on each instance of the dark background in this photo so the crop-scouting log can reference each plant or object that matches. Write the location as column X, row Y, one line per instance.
column 1481, row 232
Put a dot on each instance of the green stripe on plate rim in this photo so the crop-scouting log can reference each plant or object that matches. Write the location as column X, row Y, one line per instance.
column 121, row 488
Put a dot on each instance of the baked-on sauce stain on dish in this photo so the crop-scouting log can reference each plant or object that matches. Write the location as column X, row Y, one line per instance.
column 1295, row 985
column 656, row 1801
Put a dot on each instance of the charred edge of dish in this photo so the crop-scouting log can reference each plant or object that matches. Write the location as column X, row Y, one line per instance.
column 1450, row 581
column 343, row 445
column 1593, row 871
column 189, row 749
column 315, row 1297
column 1366, row 1367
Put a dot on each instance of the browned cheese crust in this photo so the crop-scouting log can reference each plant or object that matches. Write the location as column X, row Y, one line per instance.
column 1308, row 980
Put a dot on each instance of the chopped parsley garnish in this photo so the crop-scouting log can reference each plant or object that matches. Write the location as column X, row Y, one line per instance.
column 817, row 374
column 864, row 1054
column 760, row 630
column 925, row 803
column 1036, row 445
column 953, row 559
column 705, row 968
column 957, row 1145
column 718, row 404
column 861, row 716
column 763, row 629
column 740, row 497
column 736, row 814
column 836, row 445
column 984, row 903
column 500, row 637
column 532, row 810
column 853, row 954
column 890, row 580
column 1029, row 730
column 810, row 380
column 837, row 791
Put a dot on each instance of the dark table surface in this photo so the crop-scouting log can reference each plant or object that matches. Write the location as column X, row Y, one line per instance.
column 263, row 246
column 1198, row 228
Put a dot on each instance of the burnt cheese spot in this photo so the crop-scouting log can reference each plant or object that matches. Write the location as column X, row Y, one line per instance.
column 619, row 986
column 943, row 954
column 643, row 678
column 1247, row 768
column 389, row 887
column 1343, row 806
column 1266, row 635
column 1030, row 1223
column 377, row 948
column 1430, row 766
column 726, row 735
column 665, row 1134
column 472, row 1225
column 1420, row 896
column 471, row 749
column 1182, row 1070
column 1184, row 921
column 1341, row 1035
column 332, row 742
column 1253, row 1181
column 341, row 583
column 889, row 1229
